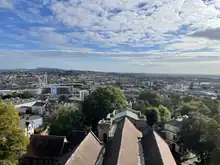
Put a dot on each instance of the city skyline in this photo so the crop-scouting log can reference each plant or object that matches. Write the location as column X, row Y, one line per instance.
column 157, row 36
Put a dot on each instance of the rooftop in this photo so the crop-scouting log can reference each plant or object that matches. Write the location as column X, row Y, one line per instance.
column 39, row 104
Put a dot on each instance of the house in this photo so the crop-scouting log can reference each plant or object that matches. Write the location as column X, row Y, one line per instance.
column 39, row 107
column 44, row 150
column 24, row 106
column 83, row 94
column 30, row 122
column 89, row 152
column 122, row 141
column 171, row 130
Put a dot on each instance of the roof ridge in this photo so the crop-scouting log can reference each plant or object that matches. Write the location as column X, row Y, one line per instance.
column 95, row 137
column 157, row 142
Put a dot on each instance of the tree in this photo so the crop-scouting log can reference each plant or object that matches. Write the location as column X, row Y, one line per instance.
column 151, row 97
column 176, row 101
column 193, row 136
column 66, row 120
column 166, row 101
column 212, row 134
column 164, row 113
column 157, row 115
column 12, row 138
column 101, row 102
column 139, row 105
column 187, row 99
column 152, row 115
column 194, row 106
column 213, row 105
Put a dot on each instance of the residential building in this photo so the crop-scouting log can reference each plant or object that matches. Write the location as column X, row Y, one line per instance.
column 44, row 150
column 83, row 94
column 171, row 130
column 39, row 107
column 30, row 122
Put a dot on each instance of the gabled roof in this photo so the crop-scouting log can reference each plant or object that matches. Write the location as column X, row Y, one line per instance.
column 156, row 150
column 86, row 153
column 46, row 146
column 123, row 149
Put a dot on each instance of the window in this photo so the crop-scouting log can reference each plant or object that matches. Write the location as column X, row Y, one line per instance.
column 105, row 137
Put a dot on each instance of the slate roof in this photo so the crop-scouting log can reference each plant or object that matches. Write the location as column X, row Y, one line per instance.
column 86, row 153
column 123, row 149
column 156, row 150
column 46, row 146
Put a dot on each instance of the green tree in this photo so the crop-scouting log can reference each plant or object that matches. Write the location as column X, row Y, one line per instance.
column 193, row 136
column 157, row 115
column 152, row 115
column 25, row 95
column 66, row 120
column 213, row 105
column 139, row 105
column 212, row 134
column 167, row 102
column 164, row 113
column 12, row 138
column 187, row 99
column 176, row 101
column 194, row 106
column 151, row 97
column 101, row 102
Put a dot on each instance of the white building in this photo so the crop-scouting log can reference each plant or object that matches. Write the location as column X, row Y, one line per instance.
column 24, row 106
column 29, row 123
column 171, row 129
column 83, row 94
column 39, row 107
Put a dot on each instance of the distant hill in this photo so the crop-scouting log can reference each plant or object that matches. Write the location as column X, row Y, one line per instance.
column 32, row 70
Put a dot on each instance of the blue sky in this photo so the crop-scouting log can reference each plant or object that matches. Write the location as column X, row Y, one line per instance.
column 151, row 36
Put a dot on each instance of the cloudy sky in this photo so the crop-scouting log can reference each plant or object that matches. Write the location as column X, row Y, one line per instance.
column 151, row 36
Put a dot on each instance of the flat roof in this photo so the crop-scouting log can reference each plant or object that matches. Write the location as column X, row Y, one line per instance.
column 28, row 104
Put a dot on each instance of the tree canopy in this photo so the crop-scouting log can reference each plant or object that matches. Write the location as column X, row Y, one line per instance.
column 102, row 101
column 152, row 115
column 23, row 95
column 66, row 120
column 199, row 134
column 157, row 115
column 12, row 138
column 194, row 106
column 151, row 97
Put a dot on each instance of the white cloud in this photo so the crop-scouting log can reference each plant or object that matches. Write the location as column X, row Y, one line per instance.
column 124, row 23
column 161, row 30
column 6, row 4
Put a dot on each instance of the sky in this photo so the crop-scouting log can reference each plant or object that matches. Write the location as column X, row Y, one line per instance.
column 139, row 36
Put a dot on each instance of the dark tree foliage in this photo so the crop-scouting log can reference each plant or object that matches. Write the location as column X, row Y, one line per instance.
column 67, row 120
column 102, row 101
column 23, row 95
column 151, row 97
column 213, row 105
column 157, row 115
column 152, row 115
column 193, row 137
column 194, row 106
